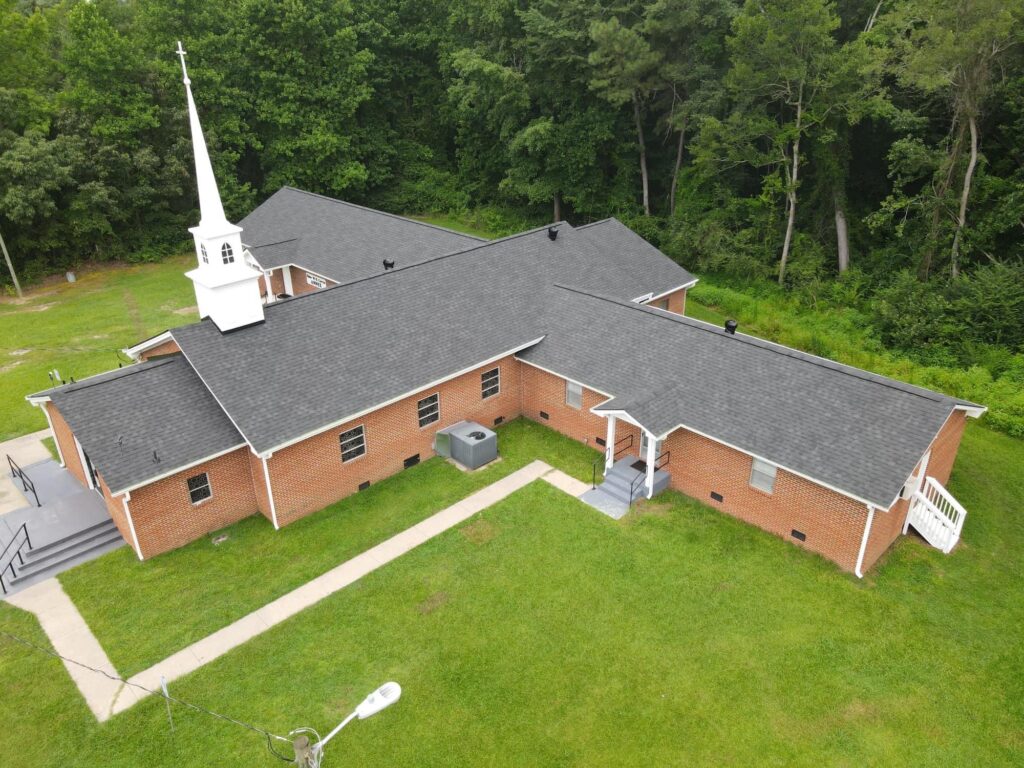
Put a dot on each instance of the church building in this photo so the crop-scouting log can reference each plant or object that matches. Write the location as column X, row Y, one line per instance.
column 336, row 341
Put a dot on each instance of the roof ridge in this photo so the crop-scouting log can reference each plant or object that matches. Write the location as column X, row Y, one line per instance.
column 382, row 213
column 605, row 220
column 431, row 260
column 777, row 348
column 276, row 242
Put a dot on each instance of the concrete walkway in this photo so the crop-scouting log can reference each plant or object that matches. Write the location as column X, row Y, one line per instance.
column 71, row 636
column 25, row 450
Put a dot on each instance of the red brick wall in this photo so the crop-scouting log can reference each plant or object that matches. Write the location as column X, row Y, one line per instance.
column 676, row 302
column 115, row 507
column 276, row 283
column 833, row 523
column 310, row 475
column 167, row 348
column 66, row 440
column 165, row 517
column 300, row 285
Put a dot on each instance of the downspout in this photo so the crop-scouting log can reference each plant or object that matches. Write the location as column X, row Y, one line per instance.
column 864, row 543
column 270, row 493
column 131, row 525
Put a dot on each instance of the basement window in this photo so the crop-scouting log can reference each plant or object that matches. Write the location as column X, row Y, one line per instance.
column 429, row 409
column 316, row 281
column 199, row 488
column 762, row 475
column 490, row 383
column 573, row 394
column 226, row 254
column 353, row 443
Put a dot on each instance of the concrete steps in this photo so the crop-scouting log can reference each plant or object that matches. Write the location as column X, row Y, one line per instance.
column 625, row 476
column 49, row 559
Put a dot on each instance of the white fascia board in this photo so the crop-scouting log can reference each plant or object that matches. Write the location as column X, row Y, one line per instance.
column 791, row 471
column 563, row 376
column 176, row 470
column 378, row 406
column 38, row 401
column 643, row 299
column 975, row 412
column 673, row 290
column 620, row 414
column 142, row 346
column 310, row 271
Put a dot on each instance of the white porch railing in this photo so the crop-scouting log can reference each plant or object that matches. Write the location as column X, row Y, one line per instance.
column 936, row 515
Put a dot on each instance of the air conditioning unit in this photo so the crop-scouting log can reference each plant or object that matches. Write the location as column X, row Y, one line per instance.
column 470, row 444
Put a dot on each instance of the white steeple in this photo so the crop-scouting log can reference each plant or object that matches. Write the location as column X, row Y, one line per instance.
column 227, row 287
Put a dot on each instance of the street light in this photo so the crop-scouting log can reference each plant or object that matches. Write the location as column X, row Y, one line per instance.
column 310, row 757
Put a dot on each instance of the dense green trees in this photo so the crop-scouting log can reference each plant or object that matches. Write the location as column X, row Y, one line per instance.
column 856, row 148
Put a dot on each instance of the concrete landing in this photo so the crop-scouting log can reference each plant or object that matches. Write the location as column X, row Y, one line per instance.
column 602, row 502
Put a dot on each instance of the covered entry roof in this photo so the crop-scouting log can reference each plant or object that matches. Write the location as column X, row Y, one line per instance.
column 855, row 431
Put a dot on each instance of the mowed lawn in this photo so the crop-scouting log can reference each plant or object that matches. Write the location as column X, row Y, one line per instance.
column 542, row 633
column 79, row 327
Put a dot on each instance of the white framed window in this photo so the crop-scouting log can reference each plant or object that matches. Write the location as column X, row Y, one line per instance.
column 315, row 280
column 353, row 443
column 428, row 410
column 199, row 488
column 227, row 255
column 204, row 254
column 573, row 394
column 762, row 475
column 490, row 383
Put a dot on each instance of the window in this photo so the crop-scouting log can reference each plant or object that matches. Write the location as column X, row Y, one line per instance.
column 762, row 475
column 226, row 254
column 204, row 254
column 199, row 488
column 353, row 443
column 429, row 409
column 316, row 281
column 490, row 383
column 573, row 394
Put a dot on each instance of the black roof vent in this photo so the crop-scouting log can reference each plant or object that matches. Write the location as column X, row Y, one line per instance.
column 552, row 233
column 731, row 326
column 389, row 264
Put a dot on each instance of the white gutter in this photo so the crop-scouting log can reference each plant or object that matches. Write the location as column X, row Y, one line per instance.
column 131, row 525
column 270, row 492
column 673, row 290
column 153, row 341
column 864, row 542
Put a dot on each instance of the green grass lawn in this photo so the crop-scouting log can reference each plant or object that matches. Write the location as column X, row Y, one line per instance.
column 79, row 327
column 146, row 611
column 542, row 633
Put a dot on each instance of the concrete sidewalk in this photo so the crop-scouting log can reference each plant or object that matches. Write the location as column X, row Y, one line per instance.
column 71, row 636
column 25, row 450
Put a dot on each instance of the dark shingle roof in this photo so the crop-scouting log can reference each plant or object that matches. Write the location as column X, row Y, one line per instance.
column 855, row 431
column 324, row 356
column 157, row 406
column 339, row 240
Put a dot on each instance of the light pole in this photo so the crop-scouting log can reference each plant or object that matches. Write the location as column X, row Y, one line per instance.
column 307, row 756
column 10, row 266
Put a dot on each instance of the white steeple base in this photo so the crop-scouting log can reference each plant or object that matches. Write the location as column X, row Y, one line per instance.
column 230, row 298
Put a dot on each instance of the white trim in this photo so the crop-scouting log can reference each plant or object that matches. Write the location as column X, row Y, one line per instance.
column 153, row 341
column 209, row 487
column 378, row 406
column 497, row 391
column 286, row 277
column 38, row 401
column 864, row 542
column 131, row 525
column 673, row 290
column 975, row 412
column 176, row 470
column 85, row 464
column 618, row 413
column 270, row 493
column 271, row 298
column 418, row 417
column 569, row 384
column 563, row 376
column 643, row 299
column 53, row 434
column 362, row 433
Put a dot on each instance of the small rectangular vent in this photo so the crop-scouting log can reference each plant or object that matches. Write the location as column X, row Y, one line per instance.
column 364, row 485
column 544, row 415
column 716, row 496
column 798, row 535
column 412, row 461
column 498, row 420
column 600, row 441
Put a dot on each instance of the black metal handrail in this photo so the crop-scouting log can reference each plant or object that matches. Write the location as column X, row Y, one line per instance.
column 628, row 440
column 667, row 456
column 17, row 553
column 642, row 475
column 26, row 482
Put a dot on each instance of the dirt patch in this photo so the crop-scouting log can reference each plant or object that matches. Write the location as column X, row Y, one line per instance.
column 9, row 366
column 652, row 508
column 432, row 603
column 480, row 531
column 859, row 711
column 19, row 352
column 193, row 310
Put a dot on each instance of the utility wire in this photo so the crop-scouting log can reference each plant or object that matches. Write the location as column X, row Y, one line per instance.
column 254, row 728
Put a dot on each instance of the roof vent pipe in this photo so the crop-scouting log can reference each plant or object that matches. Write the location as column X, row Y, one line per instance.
column 731, row 326
column 552, row 233
column 388, row 264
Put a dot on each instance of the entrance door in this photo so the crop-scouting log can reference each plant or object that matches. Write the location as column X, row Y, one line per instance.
column 643, row 448
column 90, row 472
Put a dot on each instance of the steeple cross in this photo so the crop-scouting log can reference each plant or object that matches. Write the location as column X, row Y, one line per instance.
column 184, row 72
